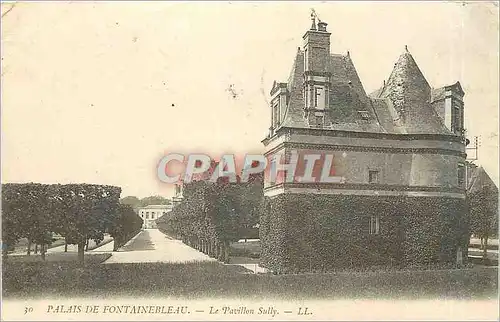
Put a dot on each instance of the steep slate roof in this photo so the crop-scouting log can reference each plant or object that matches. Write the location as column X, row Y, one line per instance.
column 403, row 105
column 478, row 178
column 438, row 93
column 347, row 96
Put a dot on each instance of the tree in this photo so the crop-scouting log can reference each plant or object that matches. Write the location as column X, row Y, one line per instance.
column 125, row 224
column 79, row 212
column 154, row 200
column 11, row 216
column 83, row 212
column 212, row 215
column 132, row 201
column 249, row 206
column 482, row 195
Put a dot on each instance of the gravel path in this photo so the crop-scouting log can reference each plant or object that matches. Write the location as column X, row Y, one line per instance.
column 151, row 245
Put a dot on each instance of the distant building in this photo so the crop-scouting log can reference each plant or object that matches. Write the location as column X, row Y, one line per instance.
column 177, row 198
column 151, row 213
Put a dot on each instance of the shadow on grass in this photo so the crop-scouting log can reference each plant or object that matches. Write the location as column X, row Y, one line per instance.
column 55, row 257
column 215, row 280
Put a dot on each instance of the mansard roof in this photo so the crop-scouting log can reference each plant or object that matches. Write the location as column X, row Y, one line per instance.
column 402, row 105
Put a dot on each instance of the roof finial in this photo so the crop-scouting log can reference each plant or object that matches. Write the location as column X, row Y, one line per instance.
column 348, row 54
column 384, row 82
column 406, row 48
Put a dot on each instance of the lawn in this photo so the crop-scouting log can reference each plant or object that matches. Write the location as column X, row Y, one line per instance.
column 249, row 249
column 56, row 257
column 22, row 245
column 215, row 280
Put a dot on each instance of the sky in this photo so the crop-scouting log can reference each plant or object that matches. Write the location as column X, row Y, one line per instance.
column 98, row 92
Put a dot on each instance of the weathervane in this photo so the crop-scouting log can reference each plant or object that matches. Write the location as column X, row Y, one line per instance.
column 314, row 15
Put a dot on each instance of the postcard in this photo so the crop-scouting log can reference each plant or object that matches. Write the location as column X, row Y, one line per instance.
column 249, row 161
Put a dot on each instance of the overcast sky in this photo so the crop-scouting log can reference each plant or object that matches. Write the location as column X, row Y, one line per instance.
column 98, row 92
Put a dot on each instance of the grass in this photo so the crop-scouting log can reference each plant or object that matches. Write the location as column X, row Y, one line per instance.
column 215, row 280
column 57, row 257
column 22, row 245
column 249, row 249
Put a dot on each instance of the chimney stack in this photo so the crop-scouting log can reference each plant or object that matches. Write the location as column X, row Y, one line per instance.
column 316, row 46
column 322, row 26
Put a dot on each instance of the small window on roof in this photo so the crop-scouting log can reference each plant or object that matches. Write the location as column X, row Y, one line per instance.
column 364, row 115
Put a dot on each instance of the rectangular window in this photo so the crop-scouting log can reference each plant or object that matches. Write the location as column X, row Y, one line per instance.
column 374, row 225
column 319, row 97
column 461, row 174
column 319, row 121
column 147, row 215
column 276, row 115
column 306, row 97
column 373, row 176
column 457, row 118
column 306, row 60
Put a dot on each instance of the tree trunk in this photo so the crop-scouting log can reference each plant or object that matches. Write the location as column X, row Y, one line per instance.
column 87, row 245
column 36, row 249
column 43, row 250
column 116, row 243
column 81, row 251
column 29, row 247
column 226, row 252
column 485, row 249
column 210, row 249
column 216, row 251
column 65, row 245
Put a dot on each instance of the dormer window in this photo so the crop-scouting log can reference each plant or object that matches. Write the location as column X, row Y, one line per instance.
column 457, row 118
column 276, row 113
column 319, row 97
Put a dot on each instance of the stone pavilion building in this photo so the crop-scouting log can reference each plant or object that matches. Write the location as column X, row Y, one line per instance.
column 399, row 153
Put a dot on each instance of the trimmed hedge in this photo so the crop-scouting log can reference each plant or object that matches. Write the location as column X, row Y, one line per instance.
column 79, row 212
column 303, row 233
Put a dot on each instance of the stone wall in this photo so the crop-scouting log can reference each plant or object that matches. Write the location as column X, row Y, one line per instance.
column 309, row 232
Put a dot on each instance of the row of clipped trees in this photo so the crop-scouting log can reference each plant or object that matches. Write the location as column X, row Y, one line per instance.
column 213, row 215
column 78, row 212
